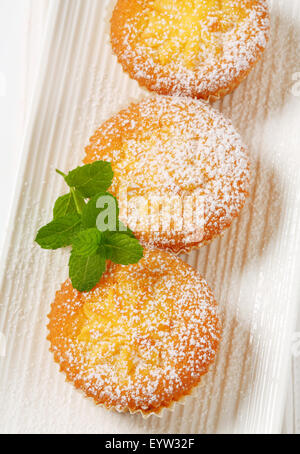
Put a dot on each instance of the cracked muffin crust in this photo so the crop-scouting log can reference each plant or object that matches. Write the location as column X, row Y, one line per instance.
column 142, row 339
column 181, row 173
column 202, row 49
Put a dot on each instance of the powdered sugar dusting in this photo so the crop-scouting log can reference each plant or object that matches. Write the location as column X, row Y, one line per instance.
column 142, row 338
column 189, row 47
column 173, row 147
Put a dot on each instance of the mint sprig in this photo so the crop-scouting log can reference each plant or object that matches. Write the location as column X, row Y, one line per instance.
column 75, row 223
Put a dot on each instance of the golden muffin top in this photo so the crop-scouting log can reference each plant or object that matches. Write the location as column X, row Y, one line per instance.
column 193, row 47
column 188, row 31
column 181, row 173
column 142, row 338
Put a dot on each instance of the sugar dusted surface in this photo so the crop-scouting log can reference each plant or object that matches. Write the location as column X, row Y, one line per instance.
column 253, row 269
column 190, row 47
column 142, row 338
column 171, row 146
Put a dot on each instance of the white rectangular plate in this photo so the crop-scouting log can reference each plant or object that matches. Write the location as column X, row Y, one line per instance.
column 253, row 269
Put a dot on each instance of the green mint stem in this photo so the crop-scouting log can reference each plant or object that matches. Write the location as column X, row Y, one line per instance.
column 60, row 173
column 78, row 203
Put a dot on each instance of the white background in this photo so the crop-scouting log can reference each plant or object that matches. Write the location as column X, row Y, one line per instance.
column 22, row 24
column 12, row 32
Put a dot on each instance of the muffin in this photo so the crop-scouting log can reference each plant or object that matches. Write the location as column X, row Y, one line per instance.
column 202, row 49
column 141, row 339
column 181, row 173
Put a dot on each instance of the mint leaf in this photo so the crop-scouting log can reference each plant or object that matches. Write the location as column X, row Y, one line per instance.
column 91, row 179
column 90, row 212
column 86, row 243
column 121, row 248
column 86, row 272
column 64, row 205
column 69, row 203
column 59, row 233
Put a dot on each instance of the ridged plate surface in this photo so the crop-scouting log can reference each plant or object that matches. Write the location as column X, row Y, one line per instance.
column 254, row 269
